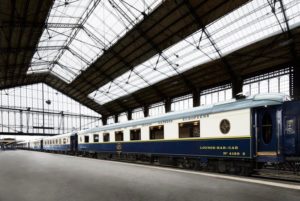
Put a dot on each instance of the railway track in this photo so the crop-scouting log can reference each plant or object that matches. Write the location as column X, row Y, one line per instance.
column 267, row 173
column 274, row 174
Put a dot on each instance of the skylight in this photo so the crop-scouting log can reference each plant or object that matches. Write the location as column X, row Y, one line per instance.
column 77, row 32
column 250, row 23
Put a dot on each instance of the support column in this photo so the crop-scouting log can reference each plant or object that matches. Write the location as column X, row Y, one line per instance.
column 196, row 98
column 129, row 115
column 146, row 111
column 168, row 105
column 237, row 87
column 296, row 81
column 104, row 120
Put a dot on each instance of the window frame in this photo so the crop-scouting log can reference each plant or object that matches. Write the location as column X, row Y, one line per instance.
column 189, row 122
column 86, row 139
column 94, row 138
column 135, row 129
column 119, row 132
column 106, row 134
column 151, row 137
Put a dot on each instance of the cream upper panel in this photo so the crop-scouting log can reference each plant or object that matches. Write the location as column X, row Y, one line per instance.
column 239, row 124
column 209, row 127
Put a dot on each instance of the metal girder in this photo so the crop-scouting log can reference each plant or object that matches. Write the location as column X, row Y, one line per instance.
column 126, row 64
column 26, row 49
column 39, row 63
column 23, row 64
column 142, row 34
column 288, row 31
column 63, row 25
column 37, row 25
column 32, row 110
column 73, row 52
column 9, row 42
column 27, row 134
column 237, row 80
column 295, row 89
column 22, row 32
column 89, row 10
column 81, row 92
column 36, row 13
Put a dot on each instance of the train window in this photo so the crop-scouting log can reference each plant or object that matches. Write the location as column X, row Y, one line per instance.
column 65, row 140
column 80, row 139
column 105, row 137
column 189, row 129
column 86, row 139
column 59, row 141
column 267, row 128
column 119, row 136
column 96, row 138
column 135, row 134
column 156, row 132
column 56, row 141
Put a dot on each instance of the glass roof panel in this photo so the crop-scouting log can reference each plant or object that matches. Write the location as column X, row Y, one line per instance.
column 174, row 60
column 85, row 28
column 292, row 8
column 62, row 72
column 72, row 62
column 250, row 23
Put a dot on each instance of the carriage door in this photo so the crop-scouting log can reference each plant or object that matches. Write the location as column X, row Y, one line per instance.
column 267, row 132
column 74, row 142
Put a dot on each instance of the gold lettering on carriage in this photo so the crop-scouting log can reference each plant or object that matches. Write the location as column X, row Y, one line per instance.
column 226, row 150
column 219, row 147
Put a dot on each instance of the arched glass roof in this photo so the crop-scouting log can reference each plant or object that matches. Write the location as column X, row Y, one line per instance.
column 250, row 23
column 79, row 31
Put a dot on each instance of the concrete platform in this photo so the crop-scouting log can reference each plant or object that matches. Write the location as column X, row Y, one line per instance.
column 34, row 176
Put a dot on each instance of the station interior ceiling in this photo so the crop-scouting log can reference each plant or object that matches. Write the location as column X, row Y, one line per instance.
column 114, row 56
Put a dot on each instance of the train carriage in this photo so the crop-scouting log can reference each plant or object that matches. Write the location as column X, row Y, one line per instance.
column 59, row 143
column 236, row 136
column 258, row 129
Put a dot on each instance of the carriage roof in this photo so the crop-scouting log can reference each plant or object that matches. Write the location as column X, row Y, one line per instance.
column 249, row 102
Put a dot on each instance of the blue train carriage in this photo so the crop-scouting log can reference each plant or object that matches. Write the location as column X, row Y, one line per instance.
column 276, row 134
column 59, row 143
column 228, row 137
